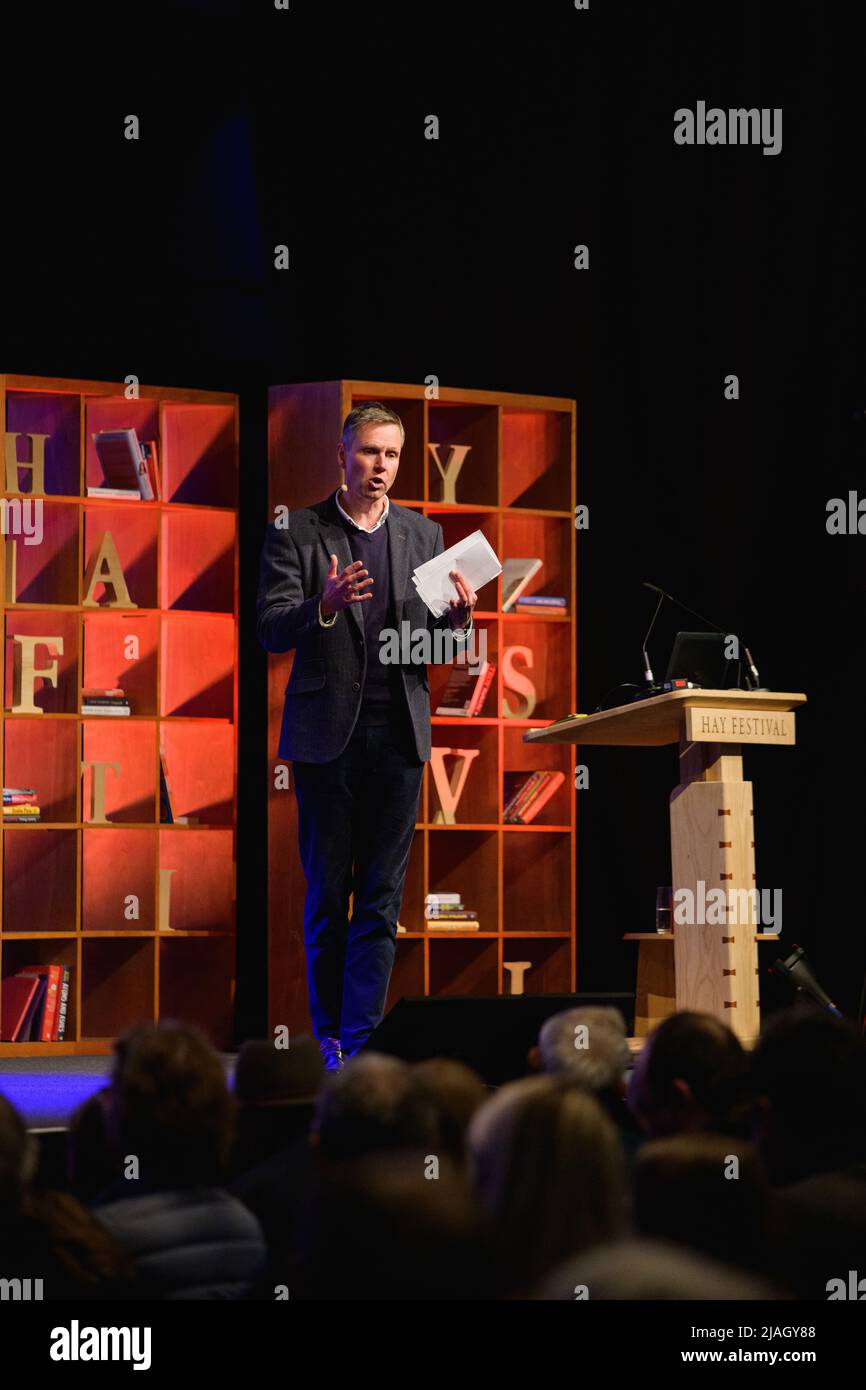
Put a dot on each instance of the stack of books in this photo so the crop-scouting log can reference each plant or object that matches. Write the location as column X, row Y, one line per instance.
column 466, row 691
column 129, row 466
column 35, row 1003
column 109, row 700
column 445, row 912
column 540, row 603
column 526, row 793
column 20, row 806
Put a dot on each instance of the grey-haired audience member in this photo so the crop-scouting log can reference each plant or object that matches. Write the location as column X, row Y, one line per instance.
column 588, row 1044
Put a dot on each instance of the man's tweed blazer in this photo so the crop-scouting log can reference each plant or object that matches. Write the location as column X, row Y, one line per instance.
column 323, row 694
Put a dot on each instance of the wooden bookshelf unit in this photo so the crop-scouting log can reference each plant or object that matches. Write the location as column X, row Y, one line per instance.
column 141, row 911
column 517, row 485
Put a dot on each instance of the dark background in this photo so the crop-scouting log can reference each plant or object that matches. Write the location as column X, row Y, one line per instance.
column 411, row 257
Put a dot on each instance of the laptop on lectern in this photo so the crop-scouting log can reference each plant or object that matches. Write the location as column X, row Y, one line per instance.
column 702, row 657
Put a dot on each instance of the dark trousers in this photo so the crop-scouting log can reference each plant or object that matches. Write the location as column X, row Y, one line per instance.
column 356, row 821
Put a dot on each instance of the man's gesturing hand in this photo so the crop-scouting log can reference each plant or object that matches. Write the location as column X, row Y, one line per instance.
column 342, row 589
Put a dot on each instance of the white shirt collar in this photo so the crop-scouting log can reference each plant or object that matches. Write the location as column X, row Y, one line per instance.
column 367, row 531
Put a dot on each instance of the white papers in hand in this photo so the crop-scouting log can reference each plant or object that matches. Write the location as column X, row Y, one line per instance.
column 474, row 557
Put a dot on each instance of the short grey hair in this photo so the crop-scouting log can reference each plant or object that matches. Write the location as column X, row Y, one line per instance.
column 600, row 1065
column 369, row 413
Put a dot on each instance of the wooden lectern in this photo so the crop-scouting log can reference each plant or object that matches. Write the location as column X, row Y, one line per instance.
column 715, row 963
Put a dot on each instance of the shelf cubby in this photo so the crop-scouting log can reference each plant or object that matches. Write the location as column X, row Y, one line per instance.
column 201, row 867
column 133, row 529
column 548, row 962
column 45, row 572
column 196, row 982
column 199, row 758
column 197, row 668
column 50, row 696
column 536, row 460
column 198, row 561
column 131, row 786
column 115, row 413
column 43, row 753
column 536, row 872
column 119, row 865
column 468, row 425
column 117, row 980
column 119, row 651
column 463, row 965
column 57, row 415
column 199, row 453
column 40, row 879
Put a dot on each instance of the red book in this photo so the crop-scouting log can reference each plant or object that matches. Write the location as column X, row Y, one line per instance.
column 52, row 998
column 543, row 793
column 523, row 796
column 479, row 694
column 18, row 992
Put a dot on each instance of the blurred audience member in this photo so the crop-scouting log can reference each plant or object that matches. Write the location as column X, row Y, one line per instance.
column 171, row 1119
column 692, row 1074
column 455, row 1092
column 549, row 1171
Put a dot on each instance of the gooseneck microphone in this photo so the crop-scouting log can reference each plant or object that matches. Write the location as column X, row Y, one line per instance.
column 647, row 669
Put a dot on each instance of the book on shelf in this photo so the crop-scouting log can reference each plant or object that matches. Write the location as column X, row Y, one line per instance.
column 35, row 1004
column 517, row 787
column 434, row 898
column 166, row 815
column 126, row 494
column 126, row 463
column 532, row 797
column 62, row 1006
column 446, row 924
column 44, row 1028
column 452, row 914
column 111, row 700
column 466, row 690
column 546, row 606
column 19, row 999
column 151, row 463
column 543, row 601
column 20, row 806
column 516, row 574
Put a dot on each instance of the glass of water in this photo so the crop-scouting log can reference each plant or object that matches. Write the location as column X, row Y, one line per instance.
column 663, row 909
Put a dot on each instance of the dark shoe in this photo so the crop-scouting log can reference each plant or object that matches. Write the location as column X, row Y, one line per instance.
column 333, row 1057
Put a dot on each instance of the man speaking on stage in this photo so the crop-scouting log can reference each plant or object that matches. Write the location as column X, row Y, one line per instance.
column 334, row 580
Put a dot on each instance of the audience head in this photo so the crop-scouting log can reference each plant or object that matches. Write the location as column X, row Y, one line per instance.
column 389, row 1231
column 269, row 1075
column 692, row 1074
column 549, row 1170
column 588, row 1045
column 809, row 1081
column 18, row 1159
column 455, row 1092
column 634, row 1270
column 705, row 1191
column 170, row 1106
column 374, row 1102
